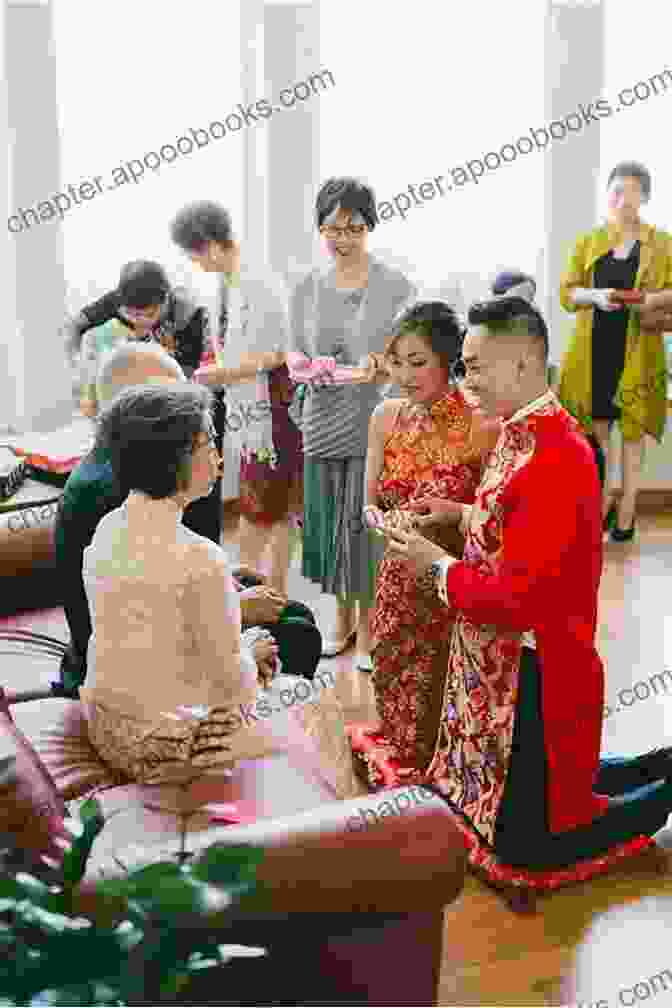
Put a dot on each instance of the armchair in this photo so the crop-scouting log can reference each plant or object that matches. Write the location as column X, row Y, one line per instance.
column 357, row 913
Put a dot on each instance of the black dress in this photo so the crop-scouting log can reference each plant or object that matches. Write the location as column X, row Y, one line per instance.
column 609, row 333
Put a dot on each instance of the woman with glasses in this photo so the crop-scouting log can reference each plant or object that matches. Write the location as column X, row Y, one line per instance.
column 429, row 445
column 172, row 687
column 345, row 313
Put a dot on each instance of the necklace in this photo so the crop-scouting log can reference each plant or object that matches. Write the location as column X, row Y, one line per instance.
column 352, row 326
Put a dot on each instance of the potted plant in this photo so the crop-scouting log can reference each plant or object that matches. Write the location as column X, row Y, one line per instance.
column 160, row 934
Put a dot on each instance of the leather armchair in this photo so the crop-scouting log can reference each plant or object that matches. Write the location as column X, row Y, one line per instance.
column 358, row 896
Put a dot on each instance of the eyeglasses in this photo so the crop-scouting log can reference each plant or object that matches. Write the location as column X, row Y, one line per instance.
column 353, row 231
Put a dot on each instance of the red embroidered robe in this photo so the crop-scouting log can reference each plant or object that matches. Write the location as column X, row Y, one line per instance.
column 532, row 562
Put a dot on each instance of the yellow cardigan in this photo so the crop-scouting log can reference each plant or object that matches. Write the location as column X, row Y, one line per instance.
column 642, row 390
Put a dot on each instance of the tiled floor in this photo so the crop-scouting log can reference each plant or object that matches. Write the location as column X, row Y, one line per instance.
column 492, row 957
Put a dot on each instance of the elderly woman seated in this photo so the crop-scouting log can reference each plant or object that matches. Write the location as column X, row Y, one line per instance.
column 171, row 682
column 90, row 493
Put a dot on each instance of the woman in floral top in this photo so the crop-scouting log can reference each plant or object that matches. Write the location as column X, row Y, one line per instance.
column 431, row 444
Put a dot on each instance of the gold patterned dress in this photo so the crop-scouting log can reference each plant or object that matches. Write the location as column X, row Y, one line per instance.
column 439, row 452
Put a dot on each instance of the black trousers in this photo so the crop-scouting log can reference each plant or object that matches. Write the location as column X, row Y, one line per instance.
column 522, row 836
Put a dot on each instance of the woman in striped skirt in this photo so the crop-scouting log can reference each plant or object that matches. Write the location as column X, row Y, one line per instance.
column 346, row 313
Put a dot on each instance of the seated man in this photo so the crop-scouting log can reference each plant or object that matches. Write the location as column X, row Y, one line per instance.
column 90, row 493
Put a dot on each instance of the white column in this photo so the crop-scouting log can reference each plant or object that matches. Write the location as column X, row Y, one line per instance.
column 255, row 138
column 8, row 328
column 292, row 56
column 43, row 385
column 574, row 76
column 249, row 221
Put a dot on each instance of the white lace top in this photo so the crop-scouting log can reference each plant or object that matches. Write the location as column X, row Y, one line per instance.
column 165, row 613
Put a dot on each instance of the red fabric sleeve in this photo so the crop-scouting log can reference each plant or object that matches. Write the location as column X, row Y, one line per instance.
column 540, row 522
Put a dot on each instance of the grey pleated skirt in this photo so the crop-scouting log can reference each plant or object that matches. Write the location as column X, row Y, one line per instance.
column 339, row 552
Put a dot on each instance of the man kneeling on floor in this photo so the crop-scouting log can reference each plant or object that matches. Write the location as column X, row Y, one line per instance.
column 90, row 493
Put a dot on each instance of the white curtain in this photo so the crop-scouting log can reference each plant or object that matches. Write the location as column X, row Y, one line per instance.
column 423, row 88
column 132, row 77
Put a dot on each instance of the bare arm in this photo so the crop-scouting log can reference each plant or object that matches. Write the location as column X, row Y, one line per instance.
column 381, row 423
column 658, row 300
column 246, row 371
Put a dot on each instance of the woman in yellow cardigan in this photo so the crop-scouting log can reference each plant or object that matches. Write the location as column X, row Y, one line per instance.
column 614, row 368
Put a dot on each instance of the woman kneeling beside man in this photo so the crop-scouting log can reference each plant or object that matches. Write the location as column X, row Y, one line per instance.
column 168, row 667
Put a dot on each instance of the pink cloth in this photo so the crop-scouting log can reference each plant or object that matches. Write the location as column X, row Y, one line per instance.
column 305, row 371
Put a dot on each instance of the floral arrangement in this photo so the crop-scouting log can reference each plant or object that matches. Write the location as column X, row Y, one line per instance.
column 262, row 456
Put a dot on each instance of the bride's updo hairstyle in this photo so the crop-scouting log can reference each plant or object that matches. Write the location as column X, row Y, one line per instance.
column 511, row 311
column 437, row 325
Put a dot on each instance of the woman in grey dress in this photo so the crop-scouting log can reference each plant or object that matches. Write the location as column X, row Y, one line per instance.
column 345, row 312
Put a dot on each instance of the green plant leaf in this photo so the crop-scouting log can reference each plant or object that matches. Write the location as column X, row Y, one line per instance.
column 224, row 865
column 227, row 952
column 78, row 994
column 74, row 860
column 91, row 809
column 197, row 961
column 147, row 879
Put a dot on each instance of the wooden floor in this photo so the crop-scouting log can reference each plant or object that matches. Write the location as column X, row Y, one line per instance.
column 492, row 957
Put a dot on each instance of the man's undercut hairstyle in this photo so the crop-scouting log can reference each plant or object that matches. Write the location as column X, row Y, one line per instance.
column 199, row 223
column 632, row 169
column 347, row 194
column 127, row 365
column 437, row 325
column 143, row 284
column 512, row 316
column 149, row 433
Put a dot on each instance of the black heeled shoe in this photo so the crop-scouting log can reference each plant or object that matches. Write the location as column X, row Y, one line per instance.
column 645, row 769
column 620, row 535
column 610, row 520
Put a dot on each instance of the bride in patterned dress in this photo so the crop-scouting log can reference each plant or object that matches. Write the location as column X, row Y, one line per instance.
column 431, row 444
column 171, row 684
